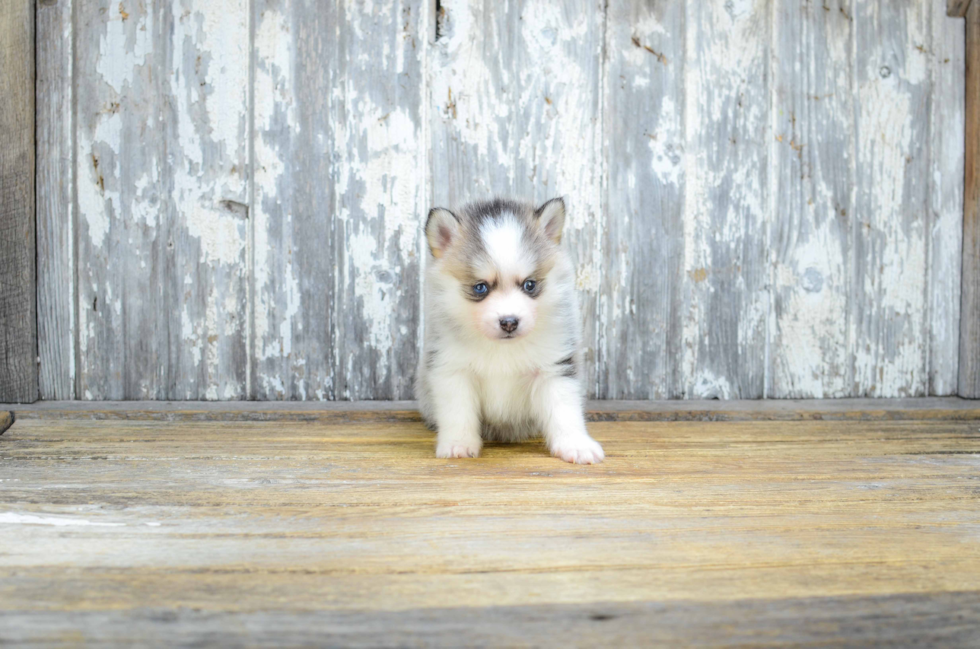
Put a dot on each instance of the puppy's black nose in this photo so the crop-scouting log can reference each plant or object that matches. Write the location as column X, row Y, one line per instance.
column 508, row 324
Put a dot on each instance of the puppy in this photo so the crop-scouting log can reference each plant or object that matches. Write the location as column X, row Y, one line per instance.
column 501, row 358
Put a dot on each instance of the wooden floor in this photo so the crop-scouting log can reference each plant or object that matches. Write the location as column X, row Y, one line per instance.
column 833, row 529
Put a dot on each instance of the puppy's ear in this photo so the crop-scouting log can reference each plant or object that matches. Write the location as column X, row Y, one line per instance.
column 441, row 230
column 551, row 218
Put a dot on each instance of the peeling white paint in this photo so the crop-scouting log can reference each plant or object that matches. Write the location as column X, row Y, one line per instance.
column 889, row 354
column 272, row 96
column 725, row 201
column 371, row 294
column 512, row 106
column 224, row 39
column 707, row 385
column 124, row 46
column 221, row 233
column 96, row 201
column 665, row 144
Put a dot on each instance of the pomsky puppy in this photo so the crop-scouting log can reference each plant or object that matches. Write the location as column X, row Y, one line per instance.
column 501, row 358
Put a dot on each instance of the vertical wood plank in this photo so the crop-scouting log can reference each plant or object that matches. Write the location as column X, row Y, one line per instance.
column 726, row 198
column 293, row 198
column 643, row 200
column 969, row 369
column 55, row 204
column 160, row 172
column 813, row 171
column 945, row 237
column 209, row 86
column 18, row 297
column 890, row 225
column 515, row 111
column 119, row 137
column 381, row 199
column 339, row 198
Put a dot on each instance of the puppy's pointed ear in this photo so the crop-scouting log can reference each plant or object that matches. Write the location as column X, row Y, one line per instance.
column 442, row 228
column 551, row 218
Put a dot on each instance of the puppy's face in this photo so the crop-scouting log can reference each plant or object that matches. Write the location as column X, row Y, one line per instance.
column 493, row 261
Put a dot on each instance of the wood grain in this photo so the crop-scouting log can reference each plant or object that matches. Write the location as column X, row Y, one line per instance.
column 56, row 335
column 295, row 142
column 915, row 409
column 381, row 199
column 338, row 199
column 18, row 296
column 946, row 619
column 643, row 281
column 726, row 200
column 820, row 529
column 811, row 240
column 160, row 172
column 969, row 348
column 889, row 231
column 946, row 151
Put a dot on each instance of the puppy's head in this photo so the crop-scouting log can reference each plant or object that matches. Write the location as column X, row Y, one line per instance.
column 492, row 262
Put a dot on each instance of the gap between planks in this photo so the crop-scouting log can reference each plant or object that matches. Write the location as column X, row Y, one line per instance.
column 916, row 409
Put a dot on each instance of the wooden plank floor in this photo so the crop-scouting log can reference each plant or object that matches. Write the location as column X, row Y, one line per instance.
column 856, row 531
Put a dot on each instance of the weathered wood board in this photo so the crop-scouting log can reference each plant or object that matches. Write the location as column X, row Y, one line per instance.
column 765, row 196
column 814, row 178
column 18, row 298
column 339, row 190
column 643, row 294
column 888, row 332
column 56, row 332
column 282, row 533
column 969, row 368
column 726, row 200
column 160, row 169
column 946, row 208
column 605, row 410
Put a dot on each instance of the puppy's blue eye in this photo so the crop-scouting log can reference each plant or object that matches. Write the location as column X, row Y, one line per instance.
column 480, row 289
column 529, row 285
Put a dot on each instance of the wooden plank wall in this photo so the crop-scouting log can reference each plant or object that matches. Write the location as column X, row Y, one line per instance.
column 765, row 196
column 18, row 301
column 969, row 378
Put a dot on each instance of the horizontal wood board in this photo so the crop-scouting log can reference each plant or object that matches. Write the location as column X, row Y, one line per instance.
column 925, row 408
column 806, row 532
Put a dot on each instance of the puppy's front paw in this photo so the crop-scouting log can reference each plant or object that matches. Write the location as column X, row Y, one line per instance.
column 580, row 449
column 458, row 447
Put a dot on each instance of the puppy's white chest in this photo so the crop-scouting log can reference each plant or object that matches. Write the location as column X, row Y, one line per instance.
column 505, row 398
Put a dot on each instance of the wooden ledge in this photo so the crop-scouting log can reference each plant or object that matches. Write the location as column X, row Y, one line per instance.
column 926, row 408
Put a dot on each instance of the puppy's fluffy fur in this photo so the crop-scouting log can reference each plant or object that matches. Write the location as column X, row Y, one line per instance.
column 502, row 334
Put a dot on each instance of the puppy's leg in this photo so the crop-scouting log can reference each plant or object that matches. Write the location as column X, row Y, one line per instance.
column 558, row 404
column 457, row 413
